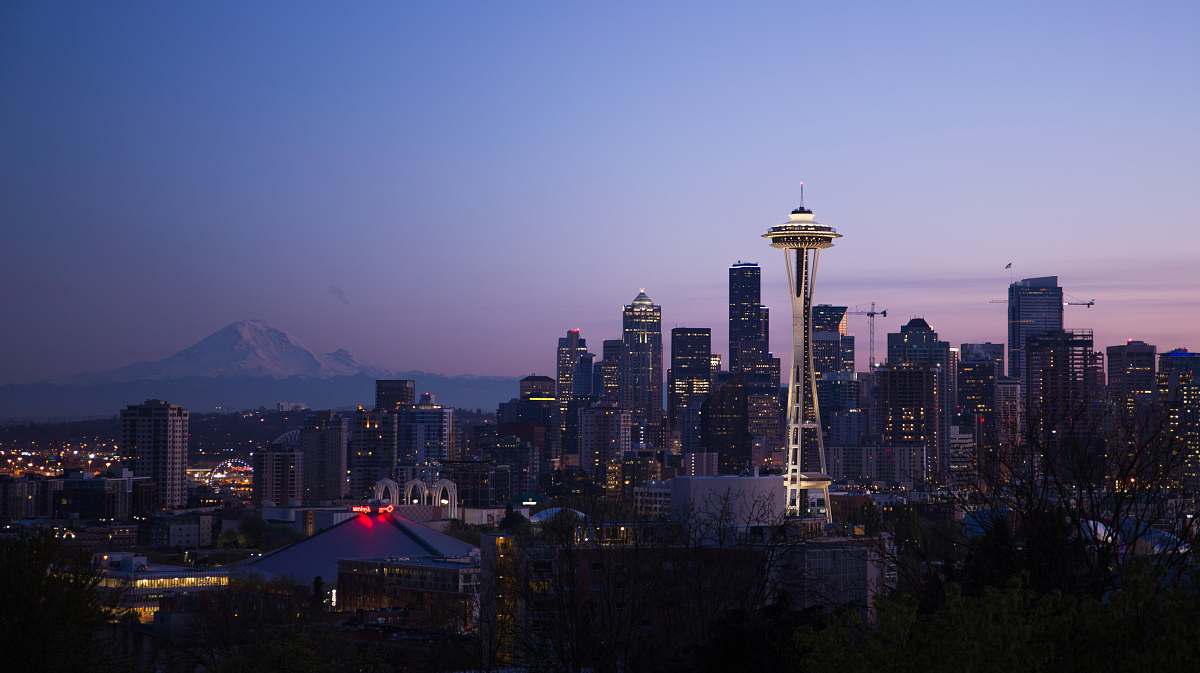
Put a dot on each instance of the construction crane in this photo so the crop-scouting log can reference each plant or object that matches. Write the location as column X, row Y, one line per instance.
column 1071, row 302
column 871, row 313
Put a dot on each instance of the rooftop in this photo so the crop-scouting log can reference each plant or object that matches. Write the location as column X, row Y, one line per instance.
column 366, row 536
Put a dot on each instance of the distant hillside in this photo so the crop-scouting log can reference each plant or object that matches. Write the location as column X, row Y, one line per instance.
column 244, row 365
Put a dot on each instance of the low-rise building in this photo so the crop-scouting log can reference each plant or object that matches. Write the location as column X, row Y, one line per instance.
column 141, row 586
column 184, row 531
column 427, row 593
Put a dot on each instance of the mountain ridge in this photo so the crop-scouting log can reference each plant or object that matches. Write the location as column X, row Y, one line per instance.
column 246, row 364
column 243, row 348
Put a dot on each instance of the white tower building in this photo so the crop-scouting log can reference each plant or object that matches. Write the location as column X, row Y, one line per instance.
column 802, row 238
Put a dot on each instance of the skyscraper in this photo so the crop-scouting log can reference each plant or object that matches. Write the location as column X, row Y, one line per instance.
column 374, row 444
column 909, row 412
column 606, row 381
column 1065, row 376
column 802, row 238
column 725, row 428
column 833, row 362
column 1035, row 306
column 571, row 349
column 1010, row 417
column 749, row 320
column 1131, row 376
column 393, row 393
column 324, row 441
column 690, row 380
column 642, row 369
column 833, row 347
column 763, row 406
column 917, row 342
column 533, row 418
column 1179, row 393
column 749, row 354
column 604, row 433
column 582, row 386
column 155, row 433
column 977, row 409
column 977, row 395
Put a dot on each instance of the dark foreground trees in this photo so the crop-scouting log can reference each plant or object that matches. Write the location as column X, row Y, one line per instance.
column 52, row 615
column 1142, row 627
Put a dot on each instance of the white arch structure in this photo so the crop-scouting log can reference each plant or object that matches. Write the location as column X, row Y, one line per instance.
column 392, row 488
column 443, row 493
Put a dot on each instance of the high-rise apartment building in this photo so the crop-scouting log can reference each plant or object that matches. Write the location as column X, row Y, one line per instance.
column 324, row 441
column 642, row 370
column 155, row 433
column 278, row 478
column 426, row 432
column 1035, row 306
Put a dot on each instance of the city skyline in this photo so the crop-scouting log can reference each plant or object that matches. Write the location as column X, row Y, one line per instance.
column 437, row 337
column 315, row 213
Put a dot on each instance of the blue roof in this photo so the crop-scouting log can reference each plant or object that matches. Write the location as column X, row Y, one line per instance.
column 551, row 512
column 364, row 536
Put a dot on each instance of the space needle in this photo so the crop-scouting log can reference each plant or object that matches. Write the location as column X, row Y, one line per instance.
column 806, row 480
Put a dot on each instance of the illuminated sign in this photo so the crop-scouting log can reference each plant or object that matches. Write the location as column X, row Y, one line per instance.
column 367, row 509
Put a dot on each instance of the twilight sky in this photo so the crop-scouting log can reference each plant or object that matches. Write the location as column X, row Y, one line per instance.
column 449, row 186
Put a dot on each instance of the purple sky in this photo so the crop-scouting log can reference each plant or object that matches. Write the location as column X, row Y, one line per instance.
column 449, row 187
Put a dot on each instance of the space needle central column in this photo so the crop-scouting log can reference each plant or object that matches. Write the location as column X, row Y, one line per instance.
column 802, row 239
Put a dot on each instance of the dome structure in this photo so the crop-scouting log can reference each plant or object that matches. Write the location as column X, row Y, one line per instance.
column 552, row 512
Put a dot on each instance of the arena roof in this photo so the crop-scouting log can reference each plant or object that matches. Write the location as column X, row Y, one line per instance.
column 365, row 536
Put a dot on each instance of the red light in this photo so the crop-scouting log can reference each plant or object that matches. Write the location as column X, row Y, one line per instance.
column 361, row 509
column 387, row 508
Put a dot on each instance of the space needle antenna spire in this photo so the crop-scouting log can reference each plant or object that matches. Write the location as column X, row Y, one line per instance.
column 802, row 238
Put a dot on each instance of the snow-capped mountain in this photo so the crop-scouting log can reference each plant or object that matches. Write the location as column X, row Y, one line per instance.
column 244, row 365
column 249, row 348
